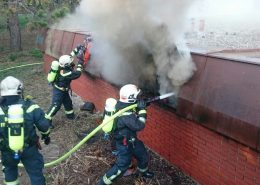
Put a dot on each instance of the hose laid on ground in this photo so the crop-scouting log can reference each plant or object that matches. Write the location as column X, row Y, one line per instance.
column 76, row 147
column 25, row 65
column 66, row 155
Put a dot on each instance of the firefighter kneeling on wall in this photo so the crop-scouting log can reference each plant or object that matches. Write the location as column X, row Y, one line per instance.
column 18, row 138
column 124, row 131
column 60, row 76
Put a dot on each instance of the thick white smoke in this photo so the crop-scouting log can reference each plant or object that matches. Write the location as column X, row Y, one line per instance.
column 136, row 41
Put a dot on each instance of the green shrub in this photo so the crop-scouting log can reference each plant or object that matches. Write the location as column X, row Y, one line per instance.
column 60, row 12
column 2, row 48
column 12, row 56
column 36, row 53
column 24, row 19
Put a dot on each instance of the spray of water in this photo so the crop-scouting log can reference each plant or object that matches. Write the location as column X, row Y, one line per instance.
column 136, row 41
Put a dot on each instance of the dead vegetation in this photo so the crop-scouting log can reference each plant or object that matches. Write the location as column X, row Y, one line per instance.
column 94, row 158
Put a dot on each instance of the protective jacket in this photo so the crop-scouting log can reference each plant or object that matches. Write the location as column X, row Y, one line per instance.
column 65, row 76
column 61, row 85
column 33, row 116
column 128, row 124
column 29, row 156
column 127, row 144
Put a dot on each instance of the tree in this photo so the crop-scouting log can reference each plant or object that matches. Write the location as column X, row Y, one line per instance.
column 41, row 13
column 13, row 27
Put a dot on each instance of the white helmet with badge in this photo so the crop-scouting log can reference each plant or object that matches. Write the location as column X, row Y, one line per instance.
column 11, row 86
column 128, row 93
column 65, row 60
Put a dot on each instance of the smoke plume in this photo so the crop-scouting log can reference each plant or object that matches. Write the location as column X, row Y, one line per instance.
column 136, row 41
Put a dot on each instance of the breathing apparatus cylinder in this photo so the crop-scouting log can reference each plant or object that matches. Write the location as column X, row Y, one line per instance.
column 110, row 109
column 16, row 128
column 53, row 72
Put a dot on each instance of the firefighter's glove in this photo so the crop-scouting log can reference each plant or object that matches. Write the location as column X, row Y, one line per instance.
column 80, row 47
column 28, row 97
column 46, row 138
column 141, row 104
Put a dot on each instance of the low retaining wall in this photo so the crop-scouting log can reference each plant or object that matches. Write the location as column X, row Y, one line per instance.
column 207, row 155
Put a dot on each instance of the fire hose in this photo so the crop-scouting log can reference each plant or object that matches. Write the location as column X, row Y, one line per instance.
column 25, row 65
column 91, row 134
column 85, row 139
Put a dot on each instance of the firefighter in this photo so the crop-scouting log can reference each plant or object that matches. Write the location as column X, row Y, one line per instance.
column 65, row 73
column 18, row 138
column 124, row 131
column 82, row 51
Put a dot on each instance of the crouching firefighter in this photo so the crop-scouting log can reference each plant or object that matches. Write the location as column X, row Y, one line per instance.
column 124, row 131
column 60, row 76
column 18, row 138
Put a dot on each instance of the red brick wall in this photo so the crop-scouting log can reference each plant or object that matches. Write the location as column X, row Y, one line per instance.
column 208, row 157
column 205, row 155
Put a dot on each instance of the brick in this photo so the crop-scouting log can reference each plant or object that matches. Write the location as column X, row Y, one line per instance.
column 250, row 167
column 210, row 158
column 249, row 180
column 240, row 175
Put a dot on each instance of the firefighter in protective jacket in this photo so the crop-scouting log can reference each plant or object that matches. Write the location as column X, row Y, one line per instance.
column 18, row 138
column 82, row 51
column 124, row 132
column 61, row 85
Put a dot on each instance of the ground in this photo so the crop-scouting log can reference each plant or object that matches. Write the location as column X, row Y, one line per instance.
column 94, row 158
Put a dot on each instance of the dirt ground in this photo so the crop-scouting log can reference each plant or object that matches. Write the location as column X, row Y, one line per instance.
column 94, row 158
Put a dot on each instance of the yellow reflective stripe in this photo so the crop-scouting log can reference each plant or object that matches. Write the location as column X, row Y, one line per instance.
column 32, row 108
column 66, row 74
column 142, row 119
column 142, row 170
column 16, row 182
column 60, row 88
column 69, row 112
column 47, row 132
column 114, row 176
column 47, row 117
column 15, row 120
column 106, row 180
column 72, row 54
column 126, row 113
column 2, row 124
column 142, row 112
column 16, row 116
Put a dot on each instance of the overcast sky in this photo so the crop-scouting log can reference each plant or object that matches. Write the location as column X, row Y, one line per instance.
column 234, row 10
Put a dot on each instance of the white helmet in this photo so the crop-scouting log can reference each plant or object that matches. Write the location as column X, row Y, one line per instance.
column 65, row 60
column 11, row 86
column 128, row 93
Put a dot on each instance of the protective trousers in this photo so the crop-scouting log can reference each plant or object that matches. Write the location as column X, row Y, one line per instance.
column 125, row 154
column 33, row 164
column 60, row 97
